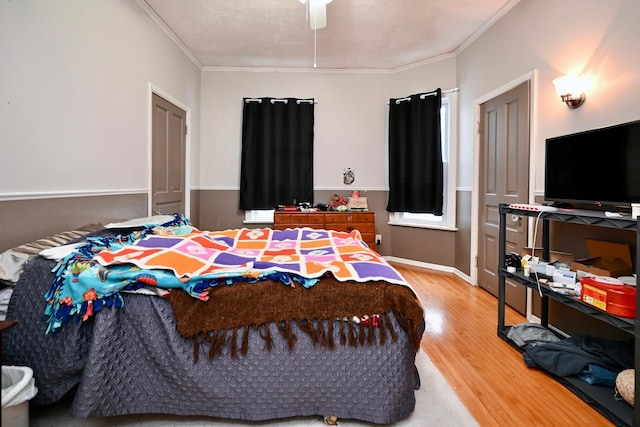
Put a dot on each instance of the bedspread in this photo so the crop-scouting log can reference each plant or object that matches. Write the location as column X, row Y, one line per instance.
column 133, row 360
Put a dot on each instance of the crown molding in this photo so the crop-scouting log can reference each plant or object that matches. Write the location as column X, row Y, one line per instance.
column 161, row 24
column 495, row 18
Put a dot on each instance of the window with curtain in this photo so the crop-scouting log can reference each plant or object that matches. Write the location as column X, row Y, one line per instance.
column 448, row 135
column 416, row 171
column 277, row 152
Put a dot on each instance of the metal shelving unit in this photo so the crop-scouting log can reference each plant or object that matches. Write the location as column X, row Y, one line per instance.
column 598, row 397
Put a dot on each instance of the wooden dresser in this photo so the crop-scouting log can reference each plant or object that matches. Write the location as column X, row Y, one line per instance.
column 330, row 220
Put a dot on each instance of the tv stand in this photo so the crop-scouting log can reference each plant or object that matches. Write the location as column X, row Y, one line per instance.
column 617, row 411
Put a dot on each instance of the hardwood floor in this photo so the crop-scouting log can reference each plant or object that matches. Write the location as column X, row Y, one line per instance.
column 487, row 374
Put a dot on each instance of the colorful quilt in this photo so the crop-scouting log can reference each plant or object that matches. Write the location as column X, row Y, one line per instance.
column 304, row 253
column 182, row 257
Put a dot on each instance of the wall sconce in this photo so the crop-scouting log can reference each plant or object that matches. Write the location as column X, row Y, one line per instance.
column 572, row 89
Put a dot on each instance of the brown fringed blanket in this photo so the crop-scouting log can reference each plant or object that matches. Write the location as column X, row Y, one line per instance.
column 232, row 310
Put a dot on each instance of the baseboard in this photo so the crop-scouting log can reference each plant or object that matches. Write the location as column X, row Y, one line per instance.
column 438, row 267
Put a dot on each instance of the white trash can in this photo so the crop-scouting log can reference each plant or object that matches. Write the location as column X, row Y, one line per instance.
column 18, row 387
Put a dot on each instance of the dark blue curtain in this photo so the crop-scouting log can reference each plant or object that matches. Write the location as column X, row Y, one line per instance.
column 277, row 152
column 415, row 154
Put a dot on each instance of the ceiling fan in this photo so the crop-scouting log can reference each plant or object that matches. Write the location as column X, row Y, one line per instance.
column 316, row 12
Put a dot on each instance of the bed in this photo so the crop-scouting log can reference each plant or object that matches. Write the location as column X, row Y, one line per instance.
column 261, row 343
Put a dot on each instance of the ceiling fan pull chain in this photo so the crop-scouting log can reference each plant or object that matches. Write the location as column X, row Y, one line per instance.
column 315, row 48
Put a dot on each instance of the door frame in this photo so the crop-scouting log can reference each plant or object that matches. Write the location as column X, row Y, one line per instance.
column 153, row 89
column 533, row 150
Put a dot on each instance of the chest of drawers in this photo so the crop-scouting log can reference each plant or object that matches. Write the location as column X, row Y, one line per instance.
column 364, row 222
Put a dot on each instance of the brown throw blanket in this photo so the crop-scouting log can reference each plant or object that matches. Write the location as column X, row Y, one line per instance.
column 233, row 310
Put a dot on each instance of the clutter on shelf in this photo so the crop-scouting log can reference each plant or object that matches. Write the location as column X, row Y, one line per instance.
column 603, row 280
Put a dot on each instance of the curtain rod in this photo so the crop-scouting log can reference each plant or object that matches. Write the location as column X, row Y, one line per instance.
column 274, row 100
column 424, row 95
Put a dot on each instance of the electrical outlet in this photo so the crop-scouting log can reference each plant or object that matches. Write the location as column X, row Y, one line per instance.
column 378, row 239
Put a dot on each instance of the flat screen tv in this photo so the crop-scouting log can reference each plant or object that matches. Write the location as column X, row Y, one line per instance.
column 595, row 167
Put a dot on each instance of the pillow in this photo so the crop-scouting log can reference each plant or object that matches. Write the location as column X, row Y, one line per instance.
column 60, row 252
column 13, row 261
column 141, row 222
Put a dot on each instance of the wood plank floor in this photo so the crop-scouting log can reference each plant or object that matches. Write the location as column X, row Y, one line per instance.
column 487, row 374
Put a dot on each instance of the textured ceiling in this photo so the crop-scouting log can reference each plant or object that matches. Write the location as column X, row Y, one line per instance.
column 360, row 34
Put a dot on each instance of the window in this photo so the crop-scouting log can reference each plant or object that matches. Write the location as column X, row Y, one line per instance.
column 277, row 152
column 447, row 221
column 448, row 114
column 259, row 216
column 277, row 155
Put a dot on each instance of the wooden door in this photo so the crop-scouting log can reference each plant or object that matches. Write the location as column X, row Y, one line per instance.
column 504, row 178
column 168, row 150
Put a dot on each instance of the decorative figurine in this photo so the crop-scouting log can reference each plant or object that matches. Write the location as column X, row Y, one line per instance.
column 338, row 203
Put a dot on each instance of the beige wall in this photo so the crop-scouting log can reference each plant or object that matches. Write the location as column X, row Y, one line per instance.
column 350, row 119
column 535, row 37
column 75, row 96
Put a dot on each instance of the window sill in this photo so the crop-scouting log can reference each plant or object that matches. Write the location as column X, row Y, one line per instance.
column 430, row 226
column 256, row 221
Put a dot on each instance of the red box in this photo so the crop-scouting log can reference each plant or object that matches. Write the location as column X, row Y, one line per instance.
column 608, row 295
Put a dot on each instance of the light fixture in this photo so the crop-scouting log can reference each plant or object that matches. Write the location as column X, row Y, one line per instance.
column 572, row 89
column 316, row 12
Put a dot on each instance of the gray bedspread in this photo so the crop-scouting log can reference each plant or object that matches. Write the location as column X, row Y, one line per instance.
column 132, row 360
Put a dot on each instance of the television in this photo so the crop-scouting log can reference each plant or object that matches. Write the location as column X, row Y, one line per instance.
column 594, row 167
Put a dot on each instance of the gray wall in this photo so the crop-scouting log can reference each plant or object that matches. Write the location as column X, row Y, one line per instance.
column 219, row 210
column 22, row 221
column 463, row 235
